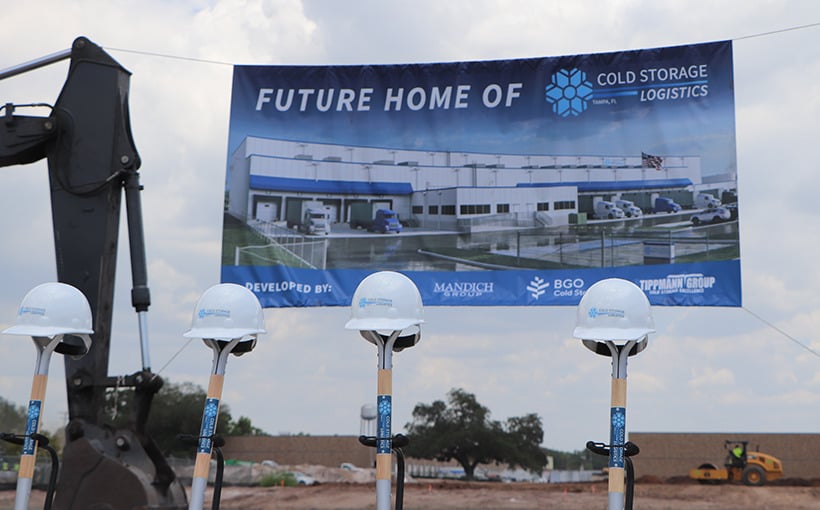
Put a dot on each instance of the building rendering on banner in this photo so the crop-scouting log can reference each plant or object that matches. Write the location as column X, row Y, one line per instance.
column 454, row 191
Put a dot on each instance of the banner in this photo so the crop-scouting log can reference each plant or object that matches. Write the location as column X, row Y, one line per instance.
column 512, row 182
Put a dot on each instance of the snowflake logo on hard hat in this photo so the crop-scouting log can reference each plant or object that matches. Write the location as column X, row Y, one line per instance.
column 593, row 312
column 569, row 92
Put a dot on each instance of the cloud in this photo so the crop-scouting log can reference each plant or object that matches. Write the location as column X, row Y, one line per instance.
column 708, row 379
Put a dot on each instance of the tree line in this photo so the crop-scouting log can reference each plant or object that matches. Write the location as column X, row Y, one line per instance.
column 459, row 429
column 176, row 408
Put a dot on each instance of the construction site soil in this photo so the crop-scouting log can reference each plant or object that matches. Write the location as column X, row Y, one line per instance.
column 454, row 495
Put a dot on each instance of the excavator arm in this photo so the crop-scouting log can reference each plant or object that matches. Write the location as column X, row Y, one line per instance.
column 92, row 163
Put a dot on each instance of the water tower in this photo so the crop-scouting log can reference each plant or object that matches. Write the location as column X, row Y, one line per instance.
column 368, row 423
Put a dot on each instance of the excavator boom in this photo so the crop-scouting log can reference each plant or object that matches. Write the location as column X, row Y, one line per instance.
column 92, row 163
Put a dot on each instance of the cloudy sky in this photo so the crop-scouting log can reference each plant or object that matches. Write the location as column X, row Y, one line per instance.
column 750, row 369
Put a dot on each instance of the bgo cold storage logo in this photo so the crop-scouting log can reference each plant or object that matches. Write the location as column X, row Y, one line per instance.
column 562, row 287
column 537, row 287
column 568, row 287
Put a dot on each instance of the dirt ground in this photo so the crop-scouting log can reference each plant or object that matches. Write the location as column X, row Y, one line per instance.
column 439, row 495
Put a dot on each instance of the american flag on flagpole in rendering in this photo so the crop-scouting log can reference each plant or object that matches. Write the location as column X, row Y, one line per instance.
column 650, row 161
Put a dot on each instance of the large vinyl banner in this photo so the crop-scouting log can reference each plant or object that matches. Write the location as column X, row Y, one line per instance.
column 511, row 182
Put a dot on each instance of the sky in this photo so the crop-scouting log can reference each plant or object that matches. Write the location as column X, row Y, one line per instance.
column 730, row 370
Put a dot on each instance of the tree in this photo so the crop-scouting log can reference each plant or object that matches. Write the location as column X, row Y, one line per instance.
column 177, row 409
column 462, row 430
column 12, row 421
column 243, row 427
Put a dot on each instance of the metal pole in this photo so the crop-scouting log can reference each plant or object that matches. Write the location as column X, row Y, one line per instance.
column 561, row 248
column 140, row 294
column 34, row 64
column 220, row 471
column 611, row 251
column 617, row 431
column 210, row 414
column 518, row 248
column 45, row 347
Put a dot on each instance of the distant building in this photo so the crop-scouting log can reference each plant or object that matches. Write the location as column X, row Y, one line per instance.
column 663, row 455
column 329, row 451
column 667, row 455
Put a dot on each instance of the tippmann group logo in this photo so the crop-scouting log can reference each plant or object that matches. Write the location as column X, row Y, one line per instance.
column 690, row 283
column 568, row 92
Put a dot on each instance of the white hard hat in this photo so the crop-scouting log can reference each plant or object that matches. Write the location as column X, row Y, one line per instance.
column 52, row 309
column 226, row 311
column 385, row 301
column 613, row 309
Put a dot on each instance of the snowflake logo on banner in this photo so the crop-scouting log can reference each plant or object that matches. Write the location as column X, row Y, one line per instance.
column 537, row 287
column 34, row 410
column 569, row 92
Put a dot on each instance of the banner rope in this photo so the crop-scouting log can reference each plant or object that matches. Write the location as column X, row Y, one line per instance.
column 165, row 55
column 186, row 344
column 773, row 32
column 222, row 63
column 793, row 339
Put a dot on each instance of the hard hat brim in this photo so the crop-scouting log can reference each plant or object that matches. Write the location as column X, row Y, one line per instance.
column 381, row 324
column 221, row 333
column 615, row 334
column 29, row 330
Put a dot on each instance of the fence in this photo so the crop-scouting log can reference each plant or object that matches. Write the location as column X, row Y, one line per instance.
column 603, row 248
column 285, row 247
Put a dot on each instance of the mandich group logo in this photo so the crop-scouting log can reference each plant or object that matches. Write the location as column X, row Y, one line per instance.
column 463, row 289
column 568, row 92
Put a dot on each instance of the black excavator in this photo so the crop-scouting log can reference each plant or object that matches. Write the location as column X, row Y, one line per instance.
column 92, row 163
